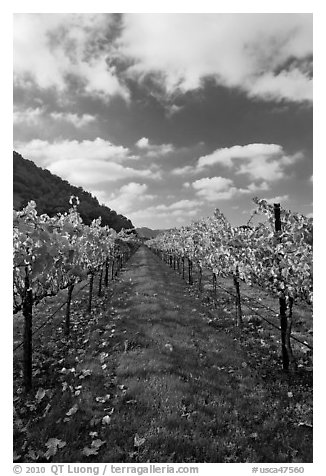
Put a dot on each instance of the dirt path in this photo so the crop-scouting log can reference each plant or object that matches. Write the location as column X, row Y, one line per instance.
column 174, row 389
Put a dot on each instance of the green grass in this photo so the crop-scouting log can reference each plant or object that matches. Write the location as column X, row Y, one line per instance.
column 196, row 388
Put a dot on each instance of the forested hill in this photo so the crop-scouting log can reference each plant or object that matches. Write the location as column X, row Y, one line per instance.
column 51, row 194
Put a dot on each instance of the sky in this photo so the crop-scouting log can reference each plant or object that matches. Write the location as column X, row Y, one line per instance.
column 165, row 117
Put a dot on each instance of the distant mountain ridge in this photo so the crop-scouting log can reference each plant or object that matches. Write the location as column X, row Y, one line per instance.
column 51, row 194
column 144, row 232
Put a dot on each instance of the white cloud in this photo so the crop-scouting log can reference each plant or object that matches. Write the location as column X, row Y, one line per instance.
column 267, row 57
column 253, row 52
column 292, row 85
column 187, row 169
column 253, row 187
column 143, row 143
column 130, row 197
column 27, row 116
column 49, row 47
column 269, row 168
column 153, row 150
column 278, row 199
column 216, row 188
column 226, row 155
column 84, row 163
column 91, row 172
column 265, row 162
column 77, row 121
column 45, row 153
column 33, row 116
column 181, row 209
column 180, row 205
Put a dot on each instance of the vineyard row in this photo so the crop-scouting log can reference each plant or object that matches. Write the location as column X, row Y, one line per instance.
column 55, row 253
column 275, row 255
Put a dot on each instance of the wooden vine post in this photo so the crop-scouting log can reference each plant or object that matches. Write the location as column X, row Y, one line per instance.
column 100, row 283
column 282, row 299
column 190, row 271
column 118, row 265
column 28, row 339
column 200, row 278
column 238, row 309
column 91, row 281
column 67, row 322
column 214, row 289
column 106, row 275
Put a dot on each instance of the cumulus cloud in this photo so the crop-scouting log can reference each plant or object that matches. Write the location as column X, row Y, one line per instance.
column 268, row 169
column 182, row 49
column 216, row 188
column 84, row 163
column 292, row 85
column 180, row 205
column 182, row 209
column 253, row 187
column 143, row 143
column 34, row 116
column 29, row 116
column 153, row 150
column 266, row 162
column 278, row 199
column 89, row 172
column 46, row 153
column 129, row 197
column 226, row 155
column 187, row 169
column 48, row 48
column 269, row 57
column 75, row 119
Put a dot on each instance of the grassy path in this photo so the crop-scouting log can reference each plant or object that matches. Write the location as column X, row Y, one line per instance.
column 173, row 388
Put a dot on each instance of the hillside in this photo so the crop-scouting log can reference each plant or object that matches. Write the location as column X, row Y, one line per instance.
column 145, row 232
column 51, row 194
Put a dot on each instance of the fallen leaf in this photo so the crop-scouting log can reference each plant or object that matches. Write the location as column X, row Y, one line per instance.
column 40, row 394
column 106, row 420
column 90, row 451
column 46, row 411
column 32, row 455
column 138, row 441
column 97, row 443
column 53, row 444
column 72, row 410
column 305, row 424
